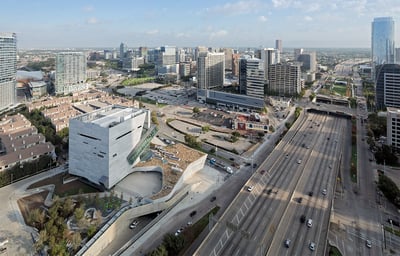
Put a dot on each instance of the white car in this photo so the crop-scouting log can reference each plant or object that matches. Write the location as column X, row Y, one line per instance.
column 312, row 246
column 368, row 243
column 250, row 188
column 324, row 191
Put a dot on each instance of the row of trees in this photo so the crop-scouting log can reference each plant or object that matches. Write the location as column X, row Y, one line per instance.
column 389, row 189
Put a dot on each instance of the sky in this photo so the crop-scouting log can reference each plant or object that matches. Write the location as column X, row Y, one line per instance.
column 217, row 23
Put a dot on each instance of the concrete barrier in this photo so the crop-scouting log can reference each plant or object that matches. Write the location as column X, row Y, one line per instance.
column 109, row 231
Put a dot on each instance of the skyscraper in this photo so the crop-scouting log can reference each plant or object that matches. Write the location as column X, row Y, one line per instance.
column 210, row 68
column 269, row 56
column 122, row 50
column 278, row 45
column 251, row 78
column 70, row 72
column 210, row 71
column 382, row 41
column 8, row 69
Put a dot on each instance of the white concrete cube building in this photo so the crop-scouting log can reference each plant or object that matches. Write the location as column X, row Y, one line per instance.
column 100, row 143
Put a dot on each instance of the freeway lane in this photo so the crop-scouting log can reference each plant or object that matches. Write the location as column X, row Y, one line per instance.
column 257, row 222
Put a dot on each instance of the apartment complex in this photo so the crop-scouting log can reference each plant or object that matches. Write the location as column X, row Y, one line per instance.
column 104, row 144
column 210, row 72
column 392, row 90
column 70, row 73
column 284, row 79
column 20, row 142
column 8, row 69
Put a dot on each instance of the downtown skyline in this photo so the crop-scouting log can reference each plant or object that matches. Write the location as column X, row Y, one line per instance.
column 306, row 23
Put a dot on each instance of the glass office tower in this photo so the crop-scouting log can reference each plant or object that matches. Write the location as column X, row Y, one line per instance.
column 8, row 69
column 382, row 40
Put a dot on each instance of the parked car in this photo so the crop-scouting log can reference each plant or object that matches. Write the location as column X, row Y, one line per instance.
column 368, row 243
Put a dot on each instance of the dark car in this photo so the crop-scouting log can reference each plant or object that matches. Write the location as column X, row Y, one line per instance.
column 303, row 218
column 393, row 222
column 310, row 193
column 299, row 200
column 193, row 213
column 262, row 171
column 213, row 198
column 287, row 243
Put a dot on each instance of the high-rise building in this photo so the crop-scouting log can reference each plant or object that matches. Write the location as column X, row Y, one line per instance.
column 104, row 144
column 278, row 45
column 392, row 90
column 269, row 56
column 210, row 70
column 167, row 56
column 251, row 78
column 382, row 41
column 70, row 72
column 384, row 76
column 235, row 64
column 393, row 127
column 309, row 61
column 8, row 69
column 228, row 58
column 297, row 52
column 284, row 79
column 122, row 50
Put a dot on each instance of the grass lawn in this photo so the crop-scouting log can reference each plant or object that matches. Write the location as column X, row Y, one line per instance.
column 136, row 81
column 333, row 251
column 340, row 89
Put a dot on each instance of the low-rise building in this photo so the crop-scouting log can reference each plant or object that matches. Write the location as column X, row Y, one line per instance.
column 20, row 142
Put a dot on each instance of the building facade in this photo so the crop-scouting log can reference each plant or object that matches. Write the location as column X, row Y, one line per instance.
column 8, row 69
column 284, row 79
column 278, row 45
column 393, row 127
column 269, row 56
column 101, row 143
column 380, row 73
column 210, row 71
column 382, row 41
column 309, row 61
column 251, row 78
column 70, row 75
column 392, row 90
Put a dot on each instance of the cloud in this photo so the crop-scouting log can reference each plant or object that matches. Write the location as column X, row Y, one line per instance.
column 92, row 20
column 152, row 32
column 219, row 33
column 237, row 8
column 262, row 18
column 88, row 8
column 308, row 18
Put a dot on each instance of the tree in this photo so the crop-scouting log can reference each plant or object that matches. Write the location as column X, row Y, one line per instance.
column 205, row 128
column 79, row 213
column 196, row 110
column 76, row 240
column 174, row 244
column 159, row 251
column 42, row 239
column 91, row 231
column 68, row 207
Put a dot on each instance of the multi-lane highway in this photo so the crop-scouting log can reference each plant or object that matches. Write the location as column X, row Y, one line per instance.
column 290, row 183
